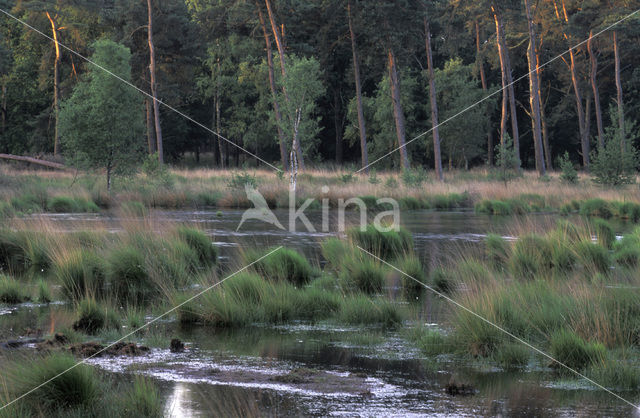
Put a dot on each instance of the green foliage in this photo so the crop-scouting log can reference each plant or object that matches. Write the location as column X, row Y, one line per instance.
column 507, row 161
column 412, row 266
column 128, row 275
column 11, row 291
column 442, row 281
column 512, row 355
column 531, row 256
column 596, row 207
column 282, row 265
column 80, row 272
column 384, row 244
column 593, row 256
column 362, row 272
column 568, row 174
column 616, row 163
column 573, row 351
column 498, row 250
column 361, row 310
column 237, row 181
column 200, row 243
column 67, row 383
column 413, row 177
column 616, row 374
column 143, row 400
column 97, row 130
column 43, row 292
column 433, row 343
column 604, row 233
column 91, row 316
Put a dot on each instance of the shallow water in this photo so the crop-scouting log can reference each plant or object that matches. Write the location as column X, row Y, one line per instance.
column 360, row 371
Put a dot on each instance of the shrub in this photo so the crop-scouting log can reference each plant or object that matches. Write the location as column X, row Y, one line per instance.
column 611, row 165
column 385, row 244
column 364, row 273
column 442, row 281
column 531, row 256
column 143, row 400
column 433, row 343
column 498, row 250
column 334, row 250
column 568, row 174
column 63, row 204
column 507, row 161
column 127, row 274
column 412, row 266
column 596, row 207
column 11, row 291
column 239, row 180
column 200, row 243
column 511, row 355
column 574, row 352
column 282, row 265
column 593, row 257
column 360, row 310
column 604, row 233
column 68, row 384
column 628, row 256
column 80, row 273
column 413, row 177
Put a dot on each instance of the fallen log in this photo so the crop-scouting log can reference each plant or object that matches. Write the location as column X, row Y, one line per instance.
column 32, row 160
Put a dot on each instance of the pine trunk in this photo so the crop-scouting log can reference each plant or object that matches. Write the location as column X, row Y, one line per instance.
column 272, row 86
column 281, row 54
column 483, row 80
column 594, row 86
column 616, row 53
column 398, row 114
column 364, row 156
column 434, row 105
column 154, row 89
column 534, row 90
column 151, row 141
column 56, row 84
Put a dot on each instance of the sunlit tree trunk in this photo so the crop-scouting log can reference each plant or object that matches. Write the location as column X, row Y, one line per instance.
column 507, row 84
column 398, row 113
column 534, row 97
column 434, row 105
column 543, row 118
column 616, row 54
column 483, row 80
column 56, row 84
column 594, row 86
column 280, row 45
column 154, row 90
column 364, row 156
column 151, row 146
column 272, row 85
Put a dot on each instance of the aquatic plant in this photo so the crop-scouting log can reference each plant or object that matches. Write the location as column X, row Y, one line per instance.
column 604, row 233
column 43, row 292
column 512, row 355
column 442, row 280
column 68, row 384
column 531, row 256
column 284, row 264
column 11, row 291
column 200, row 243
column 434, row 342
column 334, row 250
column 497, row 250
column 143, row 400
column 80, row 272
column 596, row 207
column 385, row 244
column 364, row 273
column 93, row 316
column 127, row 274
column 573, row 351
column 361, row 310
column 593, row 257
column 413, row 284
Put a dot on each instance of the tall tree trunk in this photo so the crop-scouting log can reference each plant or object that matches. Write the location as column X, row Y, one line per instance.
column 434, row 105
column 3, row 105
column 507, row 85
column 398, row 113
column 584, row 134
column 224, row 158
column 338, row 125
column 543, row 118
column 534, row 97
column 364, row 156
column 616, row 54
column 594, row 86
column 483, row 81
column 151, row 146
column 56, row 84
column 154, row 86
column 505, row 66
column 280, row 45
column 272, row 86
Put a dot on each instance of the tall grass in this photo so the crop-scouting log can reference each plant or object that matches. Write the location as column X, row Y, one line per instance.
column 385, row 244
column 282, row 265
